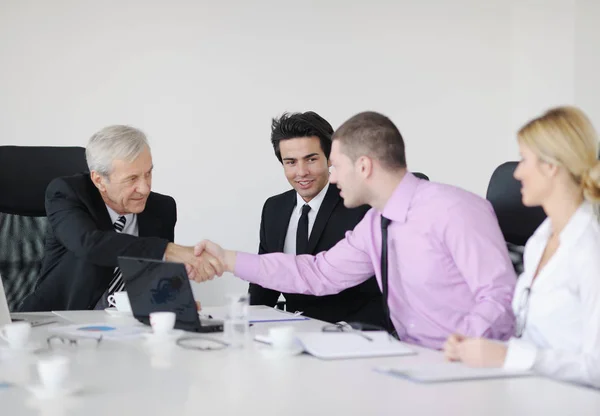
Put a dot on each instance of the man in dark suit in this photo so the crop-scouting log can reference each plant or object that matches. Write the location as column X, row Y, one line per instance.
column 95, row 218
column 311, row 218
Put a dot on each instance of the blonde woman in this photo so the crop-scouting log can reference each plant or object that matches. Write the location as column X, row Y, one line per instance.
column 557, row 298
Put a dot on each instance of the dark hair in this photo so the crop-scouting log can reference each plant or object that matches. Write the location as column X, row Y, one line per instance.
column 374, row 135
column 309, row 124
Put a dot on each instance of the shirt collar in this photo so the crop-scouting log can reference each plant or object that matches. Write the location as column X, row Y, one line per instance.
column 314, row 203
column 576, row 225
column 396, row 208
column 114, row 216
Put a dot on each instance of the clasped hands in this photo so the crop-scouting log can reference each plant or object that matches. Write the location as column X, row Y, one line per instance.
column 202, row 262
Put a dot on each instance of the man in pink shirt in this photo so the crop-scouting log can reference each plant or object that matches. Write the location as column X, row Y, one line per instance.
column 436, row 250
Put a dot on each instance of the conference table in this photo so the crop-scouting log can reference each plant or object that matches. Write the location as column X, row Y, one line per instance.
column 135, row 377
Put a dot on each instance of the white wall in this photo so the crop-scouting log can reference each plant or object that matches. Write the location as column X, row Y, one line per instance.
column 203, row 80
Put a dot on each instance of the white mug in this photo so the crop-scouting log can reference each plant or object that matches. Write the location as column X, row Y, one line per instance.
column 16, row 334
column 53, row 372
column 162, row 322
column 283, row 337
column 120, row 300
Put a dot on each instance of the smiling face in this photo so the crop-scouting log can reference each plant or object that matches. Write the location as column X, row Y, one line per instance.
column 305, row 165
column 128, row 186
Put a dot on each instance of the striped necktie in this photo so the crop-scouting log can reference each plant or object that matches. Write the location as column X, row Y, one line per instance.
column 117, row 284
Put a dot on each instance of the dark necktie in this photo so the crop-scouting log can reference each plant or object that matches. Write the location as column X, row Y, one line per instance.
column 117, row 284
column 385, row 222
column 302, row 231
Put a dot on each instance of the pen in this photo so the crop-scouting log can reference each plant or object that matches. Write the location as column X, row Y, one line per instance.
column 345, row 327
column 357, row 332
column 45, row 323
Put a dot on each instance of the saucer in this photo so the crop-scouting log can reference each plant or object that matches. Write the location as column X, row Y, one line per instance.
column 41, row 392
column 116, row 313
column 275, row 352
column 170, row 336
column 30, row 347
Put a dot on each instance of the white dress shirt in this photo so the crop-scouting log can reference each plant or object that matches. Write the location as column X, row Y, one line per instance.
column 131, row 226
column 561, row 337
column 289, row 246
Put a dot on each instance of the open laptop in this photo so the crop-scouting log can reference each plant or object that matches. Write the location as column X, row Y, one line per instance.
column 34, row 319
column 159, row 286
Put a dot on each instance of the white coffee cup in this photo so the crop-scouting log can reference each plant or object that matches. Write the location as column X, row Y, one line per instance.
column 16, row 334
column 120, row 300
column 283, row 337
column 53, row 372
column 162, row 322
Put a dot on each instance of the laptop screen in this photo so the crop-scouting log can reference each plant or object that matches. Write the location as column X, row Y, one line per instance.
column 157, row 286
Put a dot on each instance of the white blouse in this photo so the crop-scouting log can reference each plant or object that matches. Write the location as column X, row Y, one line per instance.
column 561, row 336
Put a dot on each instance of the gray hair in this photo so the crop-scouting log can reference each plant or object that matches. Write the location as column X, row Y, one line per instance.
column 112, row 143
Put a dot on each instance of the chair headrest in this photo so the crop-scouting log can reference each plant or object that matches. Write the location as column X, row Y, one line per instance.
column 517, row 221
column 26, row 171
column 420, row 175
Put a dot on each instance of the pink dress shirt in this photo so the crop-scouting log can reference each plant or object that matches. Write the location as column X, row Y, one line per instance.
column 448, row 271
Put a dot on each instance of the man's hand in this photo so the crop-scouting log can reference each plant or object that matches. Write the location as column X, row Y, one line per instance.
column 225, row 257
column 199, row 268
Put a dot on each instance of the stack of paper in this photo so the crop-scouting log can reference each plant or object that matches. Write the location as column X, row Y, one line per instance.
column 338, row 345
column 257, row 314
column 100, row 329
column 335, row 345
column 450, row 372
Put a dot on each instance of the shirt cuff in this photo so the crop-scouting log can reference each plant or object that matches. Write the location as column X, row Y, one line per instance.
column 520, row 355
column 247, row 267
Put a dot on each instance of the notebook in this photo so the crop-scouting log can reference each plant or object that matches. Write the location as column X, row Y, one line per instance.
column 258, row 314
column 446, row 372
column 340, row 345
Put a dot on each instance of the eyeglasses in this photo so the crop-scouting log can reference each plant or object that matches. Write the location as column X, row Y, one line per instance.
column 358, row 327
column 523, row 309
column 57, row 341
column 201, row 343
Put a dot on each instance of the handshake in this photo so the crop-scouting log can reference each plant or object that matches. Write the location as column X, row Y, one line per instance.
column 202, row 262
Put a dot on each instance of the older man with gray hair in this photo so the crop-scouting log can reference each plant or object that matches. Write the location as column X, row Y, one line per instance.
column 98, row 216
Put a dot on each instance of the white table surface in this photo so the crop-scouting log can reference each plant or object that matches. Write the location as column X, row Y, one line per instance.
column 129, row 378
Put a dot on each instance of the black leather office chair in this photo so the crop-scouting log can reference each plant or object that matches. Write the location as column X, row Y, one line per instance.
column 25, row 172
column 421, row 175
column 517, row 221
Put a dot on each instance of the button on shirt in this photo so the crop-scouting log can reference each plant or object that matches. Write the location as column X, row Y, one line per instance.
column 315, row 204
column 561, row 337
column 448, row 265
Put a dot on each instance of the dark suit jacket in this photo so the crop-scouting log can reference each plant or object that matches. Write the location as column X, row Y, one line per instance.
column 82, row 247
column 361, row 303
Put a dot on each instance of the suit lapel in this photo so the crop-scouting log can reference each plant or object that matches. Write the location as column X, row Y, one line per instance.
column 99, row 208
column 332, row 198
column 283, row 220
column 148, row 225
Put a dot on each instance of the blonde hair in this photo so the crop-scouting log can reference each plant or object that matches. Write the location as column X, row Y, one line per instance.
column 565, row 136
